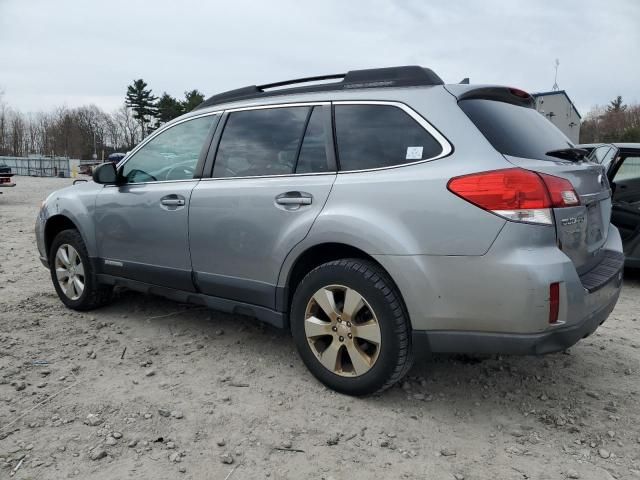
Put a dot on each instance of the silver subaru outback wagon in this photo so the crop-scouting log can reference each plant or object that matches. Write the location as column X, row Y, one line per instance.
column 378, row 217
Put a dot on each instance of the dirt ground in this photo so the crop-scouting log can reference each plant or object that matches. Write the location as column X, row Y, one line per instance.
column 148, row 388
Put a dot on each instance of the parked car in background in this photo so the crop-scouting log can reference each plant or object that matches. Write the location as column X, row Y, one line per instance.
column 6, row 177
column 622, row 163
column 116, row 157
column 589, row 147
column 378, row 216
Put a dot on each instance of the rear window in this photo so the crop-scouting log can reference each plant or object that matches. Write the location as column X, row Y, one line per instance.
column 515, row 130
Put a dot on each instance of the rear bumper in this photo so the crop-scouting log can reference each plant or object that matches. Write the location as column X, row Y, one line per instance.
column 499, row 302
column 513, row 343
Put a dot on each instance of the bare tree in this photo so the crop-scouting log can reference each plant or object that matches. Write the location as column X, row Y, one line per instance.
column 17, row 133
column 129, row 126
column 616, row 122
column 67, row 132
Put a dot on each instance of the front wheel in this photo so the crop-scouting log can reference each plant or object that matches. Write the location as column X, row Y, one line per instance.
column 72, row 273
column 351, row 328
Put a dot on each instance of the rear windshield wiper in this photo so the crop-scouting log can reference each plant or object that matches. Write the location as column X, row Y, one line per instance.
column 573, row 154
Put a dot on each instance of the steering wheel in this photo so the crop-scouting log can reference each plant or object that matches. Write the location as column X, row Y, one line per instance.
column 133, row 173
column 229, row 172
column 187, row 170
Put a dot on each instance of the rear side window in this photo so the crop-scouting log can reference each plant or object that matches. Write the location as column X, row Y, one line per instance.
column 260, row 142
column 515, row 130
column 374, row 136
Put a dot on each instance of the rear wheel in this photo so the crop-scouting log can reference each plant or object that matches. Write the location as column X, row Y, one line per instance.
column 72, row 273
column 350, row 327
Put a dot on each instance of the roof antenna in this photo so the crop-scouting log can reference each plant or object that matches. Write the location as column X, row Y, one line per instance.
column 464, row 81
column 555, row 82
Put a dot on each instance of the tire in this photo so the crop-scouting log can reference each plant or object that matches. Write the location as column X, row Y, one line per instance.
column 350, row 335
column 91, row 295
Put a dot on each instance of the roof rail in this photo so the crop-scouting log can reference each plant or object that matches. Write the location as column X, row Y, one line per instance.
column 407, row 76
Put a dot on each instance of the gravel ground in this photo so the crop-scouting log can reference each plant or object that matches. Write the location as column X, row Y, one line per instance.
column 148, row 388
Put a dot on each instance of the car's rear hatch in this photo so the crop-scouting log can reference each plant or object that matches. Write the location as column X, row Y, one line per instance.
column 528, row 140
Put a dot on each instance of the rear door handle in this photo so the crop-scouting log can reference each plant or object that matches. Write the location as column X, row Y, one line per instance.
column 172, row 201
column 294, row 198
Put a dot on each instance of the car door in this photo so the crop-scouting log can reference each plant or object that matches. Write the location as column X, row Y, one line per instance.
column 142, row 223
column 624, row 175
column 273, row 171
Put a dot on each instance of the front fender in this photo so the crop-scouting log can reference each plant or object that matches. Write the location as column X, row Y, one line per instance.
column 77, row 204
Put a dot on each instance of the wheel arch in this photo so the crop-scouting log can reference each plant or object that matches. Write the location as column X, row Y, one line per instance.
column 313, row 257
column 56, row 224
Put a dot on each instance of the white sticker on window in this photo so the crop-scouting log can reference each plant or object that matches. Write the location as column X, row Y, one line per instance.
column 414, row 153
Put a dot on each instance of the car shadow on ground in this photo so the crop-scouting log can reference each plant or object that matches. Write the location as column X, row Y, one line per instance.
column 463, row 382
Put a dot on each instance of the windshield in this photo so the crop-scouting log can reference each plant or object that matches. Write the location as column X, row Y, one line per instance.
column 515, row 130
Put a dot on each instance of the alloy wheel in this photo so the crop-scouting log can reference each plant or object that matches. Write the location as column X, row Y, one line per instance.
column 69, row 271
column 342, row 330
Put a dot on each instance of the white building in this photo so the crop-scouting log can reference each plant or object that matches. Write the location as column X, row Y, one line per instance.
column 558, row 107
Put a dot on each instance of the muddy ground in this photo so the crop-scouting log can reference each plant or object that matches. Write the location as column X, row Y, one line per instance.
column 148, row 388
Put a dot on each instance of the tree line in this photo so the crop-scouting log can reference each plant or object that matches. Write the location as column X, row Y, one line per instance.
column 78, row 132
column 616, row 122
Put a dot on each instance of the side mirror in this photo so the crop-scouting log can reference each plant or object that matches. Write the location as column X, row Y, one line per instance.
column 105, row 174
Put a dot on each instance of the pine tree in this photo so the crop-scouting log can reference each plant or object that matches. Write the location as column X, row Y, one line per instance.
column 142, row 102
column 168, row 108
column 616, row 105
column 192, row 100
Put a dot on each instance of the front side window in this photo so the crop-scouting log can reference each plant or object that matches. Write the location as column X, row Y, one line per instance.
column 260, row 142
column 171, row 155
column 374, row 136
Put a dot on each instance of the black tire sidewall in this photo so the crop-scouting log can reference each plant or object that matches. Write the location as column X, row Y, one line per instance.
column 73, row 238
column 371, row 287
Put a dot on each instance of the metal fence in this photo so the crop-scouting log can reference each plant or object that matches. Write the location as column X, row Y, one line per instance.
column 38, row 166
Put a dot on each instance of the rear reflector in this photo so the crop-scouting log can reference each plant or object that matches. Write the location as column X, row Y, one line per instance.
column 516, row 194
column 554, row 302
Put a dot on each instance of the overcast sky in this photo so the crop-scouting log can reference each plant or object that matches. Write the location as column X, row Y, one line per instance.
column 74, row 52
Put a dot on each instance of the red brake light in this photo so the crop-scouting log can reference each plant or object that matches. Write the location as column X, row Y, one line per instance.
column 508, row 189
column 515, row 193
column 519, row 93
column 561, row 191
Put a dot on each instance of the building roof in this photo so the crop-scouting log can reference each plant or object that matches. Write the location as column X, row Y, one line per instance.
column 557, row 92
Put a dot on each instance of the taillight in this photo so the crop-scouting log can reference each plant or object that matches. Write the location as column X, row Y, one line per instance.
column 516, row 194
column 561, row 191
column 519, row 93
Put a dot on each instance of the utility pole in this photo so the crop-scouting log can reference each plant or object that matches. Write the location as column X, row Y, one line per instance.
column 555, row 80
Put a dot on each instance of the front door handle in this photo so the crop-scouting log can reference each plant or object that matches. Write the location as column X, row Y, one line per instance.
column 294, row 198
column 173, row 201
